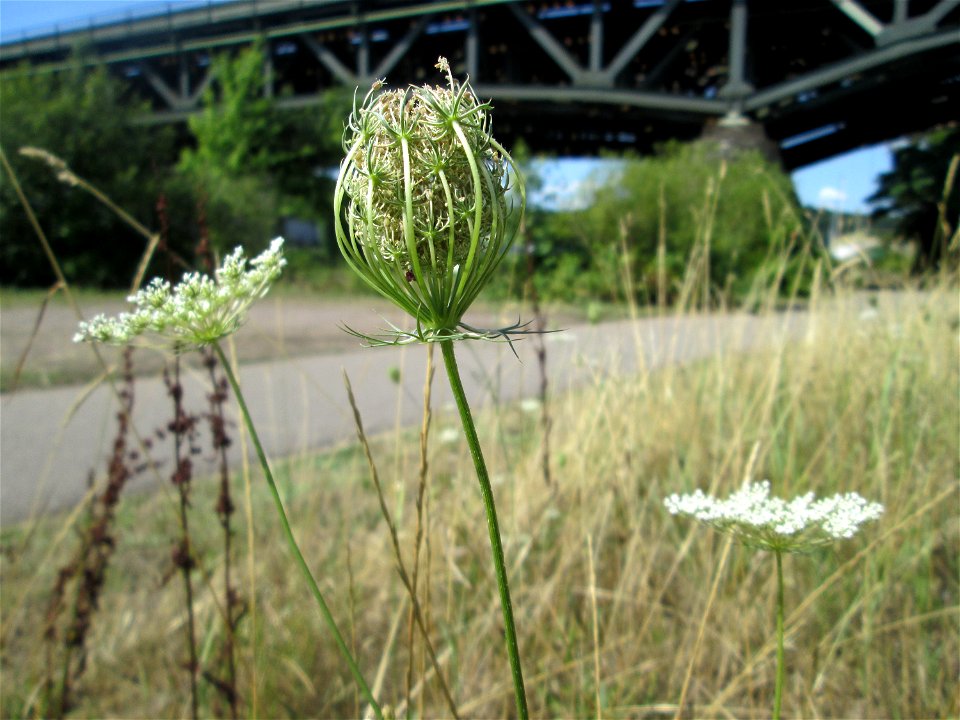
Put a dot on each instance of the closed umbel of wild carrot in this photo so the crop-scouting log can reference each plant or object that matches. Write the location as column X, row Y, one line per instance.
column 423, row 216
column 422, row 207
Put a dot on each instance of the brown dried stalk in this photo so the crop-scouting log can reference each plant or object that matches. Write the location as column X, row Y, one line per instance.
column 401, row 567
column 88, row 566
column 183, row 428
column 421, row 489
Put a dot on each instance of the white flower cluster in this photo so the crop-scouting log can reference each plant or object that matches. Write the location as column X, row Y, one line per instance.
column 199, row 311
column 775, row 524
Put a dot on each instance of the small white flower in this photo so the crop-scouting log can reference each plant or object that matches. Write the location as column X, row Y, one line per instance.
column 759, row 520
column 448, row 436
column 199, row 311
column 530, row 405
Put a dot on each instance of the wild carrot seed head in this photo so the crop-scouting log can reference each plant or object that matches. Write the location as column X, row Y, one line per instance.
column 422, row 201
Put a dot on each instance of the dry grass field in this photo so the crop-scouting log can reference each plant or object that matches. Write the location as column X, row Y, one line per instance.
column 622, row 609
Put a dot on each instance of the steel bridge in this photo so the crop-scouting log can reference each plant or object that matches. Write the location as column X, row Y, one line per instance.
column 803, row 79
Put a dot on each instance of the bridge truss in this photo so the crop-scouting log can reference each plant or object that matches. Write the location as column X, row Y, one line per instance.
column 810, row 78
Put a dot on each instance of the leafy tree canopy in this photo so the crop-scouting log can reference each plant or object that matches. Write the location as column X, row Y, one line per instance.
column 656, row 214
column 917, row 194
column 253, row 162
column 83, row 117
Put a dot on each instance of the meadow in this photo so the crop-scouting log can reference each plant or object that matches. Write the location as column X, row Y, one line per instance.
column 623, row 610
column 189, row 601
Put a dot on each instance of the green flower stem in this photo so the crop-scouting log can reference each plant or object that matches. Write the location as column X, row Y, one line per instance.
column 291, row 541
column 470, row 430
column 778, row 688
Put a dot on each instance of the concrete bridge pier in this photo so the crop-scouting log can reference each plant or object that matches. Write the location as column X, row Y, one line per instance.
column 735, row 133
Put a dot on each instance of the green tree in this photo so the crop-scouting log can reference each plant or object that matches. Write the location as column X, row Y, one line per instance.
column 83, row 117
column 738, row 213
column 253, row 162
column 916, row 195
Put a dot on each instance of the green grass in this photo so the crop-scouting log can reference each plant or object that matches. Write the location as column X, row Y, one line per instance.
column 864, row 400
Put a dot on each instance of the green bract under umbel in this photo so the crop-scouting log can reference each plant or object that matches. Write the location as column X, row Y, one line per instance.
column 422, row 207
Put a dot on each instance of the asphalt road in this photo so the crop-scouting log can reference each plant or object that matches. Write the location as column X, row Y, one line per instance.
column 51, row 441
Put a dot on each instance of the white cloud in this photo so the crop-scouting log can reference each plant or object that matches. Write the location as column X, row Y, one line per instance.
column 831, row 195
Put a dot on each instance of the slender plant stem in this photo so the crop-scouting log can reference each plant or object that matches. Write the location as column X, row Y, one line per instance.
column 184, row 555
column 395, row 538
column 65, row 685
column 470, row 430
column 224, row 509
column 421, row 488
column 778, row 689
column 291, row 541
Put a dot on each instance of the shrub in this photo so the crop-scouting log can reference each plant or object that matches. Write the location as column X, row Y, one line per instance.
column 82, row 117
column 740, row 213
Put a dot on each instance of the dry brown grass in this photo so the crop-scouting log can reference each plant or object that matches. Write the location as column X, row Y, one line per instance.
column 867, row 400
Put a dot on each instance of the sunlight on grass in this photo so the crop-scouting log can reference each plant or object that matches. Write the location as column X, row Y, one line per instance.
column 864, row 401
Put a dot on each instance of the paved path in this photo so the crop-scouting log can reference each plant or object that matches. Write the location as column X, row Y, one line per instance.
column 50, row 444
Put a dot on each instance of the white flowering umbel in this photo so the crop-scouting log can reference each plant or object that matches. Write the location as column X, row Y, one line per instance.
column 197, row 312
column 757, row 519
column 421, row 203
column 781, row 526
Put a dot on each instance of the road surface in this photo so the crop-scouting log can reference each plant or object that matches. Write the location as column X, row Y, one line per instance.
column 52, row 440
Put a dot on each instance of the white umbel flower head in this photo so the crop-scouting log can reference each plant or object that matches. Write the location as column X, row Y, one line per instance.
column 757, row 519
column 199, row 311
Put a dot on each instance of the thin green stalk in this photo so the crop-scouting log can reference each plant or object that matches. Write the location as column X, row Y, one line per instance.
column 778, row 690
column 291, row 541
column 470, row 430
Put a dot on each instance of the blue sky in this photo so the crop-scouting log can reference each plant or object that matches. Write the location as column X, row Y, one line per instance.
column 841, row 183
column 17, row 16
column 844, row 182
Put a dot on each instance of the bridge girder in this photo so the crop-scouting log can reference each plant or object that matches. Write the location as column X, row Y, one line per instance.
column 575, row 76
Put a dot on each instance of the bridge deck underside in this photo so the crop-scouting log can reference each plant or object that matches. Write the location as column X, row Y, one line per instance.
column 575, row 77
